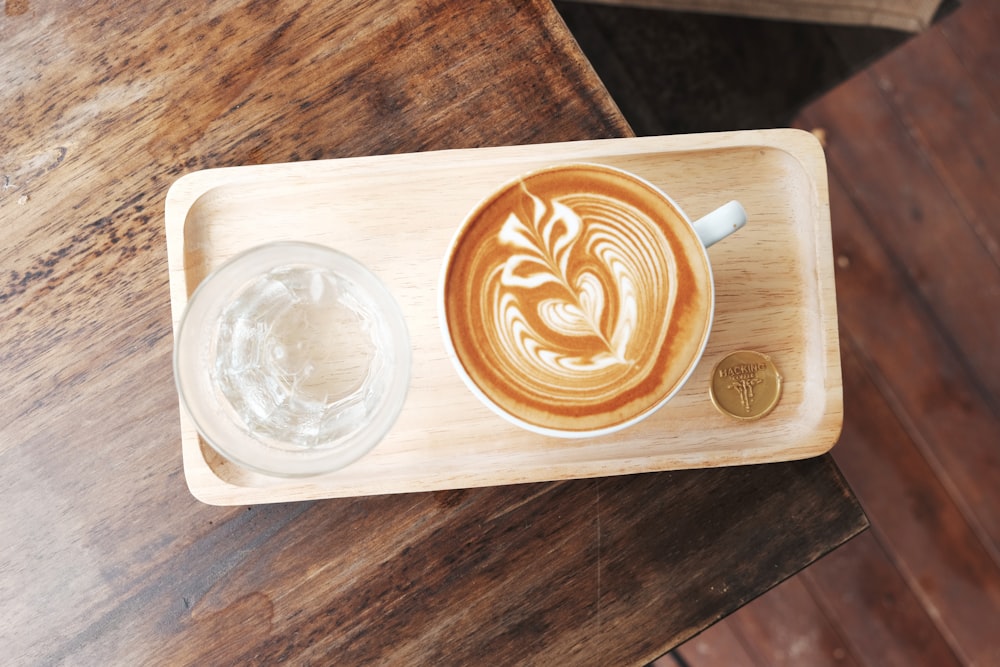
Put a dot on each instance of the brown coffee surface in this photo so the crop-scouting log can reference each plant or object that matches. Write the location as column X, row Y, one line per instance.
column 577, row 298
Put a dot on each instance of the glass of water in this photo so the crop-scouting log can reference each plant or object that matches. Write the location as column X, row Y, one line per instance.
column 293, row 359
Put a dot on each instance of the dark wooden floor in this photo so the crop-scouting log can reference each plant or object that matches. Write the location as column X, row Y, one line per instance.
column 913, row 148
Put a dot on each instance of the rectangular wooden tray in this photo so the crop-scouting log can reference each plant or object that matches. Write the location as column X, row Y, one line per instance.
column 397, row 214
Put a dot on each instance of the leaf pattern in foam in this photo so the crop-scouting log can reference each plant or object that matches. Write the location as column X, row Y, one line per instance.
column 579, row 317
column 546, row 243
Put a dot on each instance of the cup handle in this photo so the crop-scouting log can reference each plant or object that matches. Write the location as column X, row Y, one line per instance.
column 720, row 223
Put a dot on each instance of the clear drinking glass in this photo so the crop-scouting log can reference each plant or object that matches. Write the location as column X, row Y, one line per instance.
column 293, row 359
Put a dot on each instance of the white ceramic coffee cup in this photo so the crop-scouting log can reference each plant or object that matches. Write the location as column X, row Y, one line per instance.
column 708, row 230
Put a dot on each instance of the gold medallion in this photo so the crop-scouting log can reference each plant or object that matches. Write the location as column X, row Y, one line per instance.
column 745, row 385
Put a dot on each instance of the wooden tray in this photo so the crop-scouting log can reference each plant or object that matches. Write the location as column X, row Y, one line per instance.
column 397, row 214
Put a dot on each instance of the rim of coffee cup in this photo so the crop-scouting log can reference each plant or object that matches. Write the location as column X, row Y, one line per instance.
column 464, row 374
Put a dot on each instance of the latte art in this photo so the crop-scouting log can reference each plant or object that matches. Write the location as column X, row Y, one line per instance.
column 576, row 299
column 570, row 301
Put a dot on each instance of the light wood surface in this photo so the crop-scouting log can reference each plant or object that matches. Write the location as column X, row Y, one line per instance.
column 397, row 214
column 910, row 15
column 107, row 559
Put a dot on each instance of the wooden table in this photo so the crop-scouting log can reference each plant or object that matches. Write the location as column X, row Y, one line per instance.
column 106, row 558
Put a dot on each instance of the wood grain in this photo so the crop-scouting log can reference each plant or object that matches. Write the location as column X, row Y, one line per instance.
column 717, row 646
column 904, row 195
column 970, row 33
column 788, row 628
column 873, row 609
column 774, row 287
column 908, row 144
column 945, row 318
column 941, row 557
column 851, row 607
column 923, row 85
column 106, row 556
column 940, row 401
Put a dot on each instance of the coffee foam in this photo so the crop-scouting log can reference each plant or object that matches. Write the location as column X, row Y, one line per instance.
column 577, row 298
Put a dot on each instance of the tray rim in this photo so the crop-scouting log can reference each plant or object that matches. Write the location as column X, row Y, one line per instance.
column 802, row 146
